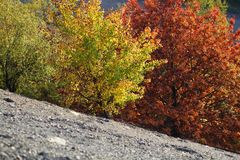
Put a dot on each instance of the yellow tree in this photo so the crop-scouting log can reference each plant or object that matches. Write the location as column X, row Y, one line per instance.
column 100, row 65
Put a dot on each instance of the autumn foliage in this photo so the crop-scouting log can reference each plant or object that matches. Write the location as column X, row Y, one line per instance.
column 195, row 95
column 72, row 53
column 23, row 47
column 100, row 65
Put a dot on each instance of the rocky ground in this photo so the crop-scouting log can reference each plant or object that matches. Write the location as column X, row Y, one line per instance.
column 30, row 129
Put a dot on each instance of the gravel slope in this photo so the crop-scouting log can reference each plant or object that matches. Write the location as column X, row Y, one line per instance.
column 31, row 129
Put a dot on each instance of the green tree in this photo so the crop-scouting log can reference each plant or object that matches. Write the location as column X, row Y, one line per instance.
column 23, row 48
column 100, row 65
column 222, row 4
column 209, row 4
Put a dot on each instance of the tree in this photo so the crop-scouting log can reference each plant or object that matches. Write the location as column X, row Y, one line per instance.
column 100, row 65
column 22, row 45
column 196, row 94
column 209, row 4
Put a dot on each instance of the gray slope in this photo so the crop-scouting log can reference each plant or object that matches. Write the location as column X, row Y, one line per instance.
column 31, row 129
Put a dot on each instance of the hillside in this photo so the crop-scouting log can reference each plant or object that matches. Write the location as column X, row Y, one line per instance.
column 31, row 129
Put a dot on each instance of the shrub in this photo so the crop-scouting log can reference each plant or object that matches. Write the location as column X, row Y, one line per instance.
column 23, row 48
column 100, row 65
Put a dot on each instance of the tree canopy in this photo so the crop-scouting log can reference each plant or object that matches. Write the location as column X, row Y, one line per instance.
column 198, row 87
column 22, row 44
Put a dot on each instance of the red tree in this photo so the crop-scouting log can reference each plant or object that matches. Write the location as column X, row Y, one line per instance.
column 196, row 94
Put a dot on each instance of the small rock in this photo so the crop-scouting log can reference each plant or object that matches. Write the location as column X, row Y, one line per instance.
column 75, row 113
column 57, row 140
column 8, row 100
column 5, row 136
column 30, row 137
column 42, row 153
column 141, row 142
column 73, row 148
column 12, row 105
column 19, row 157
column 127, row 127
column 13, row 148
column 8, row 114
column 102, row 120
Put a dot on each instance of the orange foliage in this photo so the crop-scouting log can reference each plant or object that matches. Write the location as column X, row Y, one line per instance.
column 196, row 94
